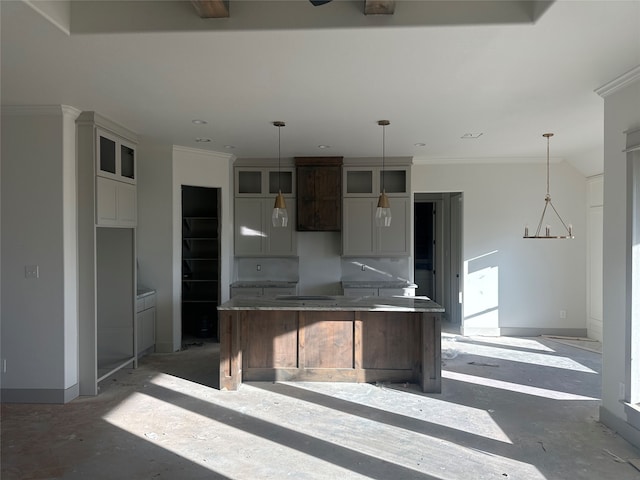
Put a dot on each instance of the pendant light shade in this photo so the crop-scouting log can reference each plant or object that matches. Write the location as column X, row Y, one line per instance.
column 279, row 216
column 568, row 229
column 383, row 211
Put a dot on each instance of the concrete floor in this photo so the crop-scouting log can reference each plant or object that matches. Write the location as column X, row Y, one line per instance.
column 510, row 408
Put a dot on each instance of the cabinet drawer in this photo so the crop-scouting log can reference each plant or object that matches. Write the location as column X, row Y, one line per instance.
column 253, row 292
column 149, row 301
column 275, row 291
column 360, row 292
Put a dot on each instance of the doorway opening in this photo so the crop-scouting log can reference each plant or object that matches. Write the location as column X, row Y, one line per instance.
column 200, row 261
column 438, row 251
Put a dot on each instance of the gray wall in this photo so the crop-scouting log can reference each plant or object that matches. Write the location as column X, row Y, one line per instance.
column 39, row 315
column 621, row 113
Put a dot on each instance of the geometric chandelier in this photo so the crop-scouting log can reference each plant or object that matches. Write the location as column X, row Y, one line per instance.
column 547, row 203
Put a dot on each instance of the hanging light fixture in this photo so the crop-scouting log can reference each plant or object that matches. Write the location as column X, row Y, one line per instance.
column 383, row 212
column 547, row 203
column 279, row 217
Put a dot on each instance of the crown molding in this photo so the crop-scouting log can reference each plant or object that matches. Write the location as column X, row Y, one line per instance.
column 619, row 83
column 204, row 153
column 40, row 110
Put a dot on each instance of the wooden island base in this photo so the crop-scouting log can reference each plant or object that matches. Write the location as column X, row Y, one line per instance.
column 330, row 346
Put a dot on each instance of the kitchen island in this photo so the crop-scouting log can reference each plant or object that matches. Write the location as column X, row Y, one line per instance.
column 330, row 339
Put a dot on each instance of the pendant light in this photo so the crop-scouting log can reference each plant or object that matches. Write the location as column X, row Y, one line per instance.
column 279, row 217
column 383, row 212
column 547, row 203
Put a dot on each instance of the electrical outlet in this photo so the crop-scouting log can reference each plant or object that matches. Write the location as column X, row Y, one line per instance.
column 563, row 314
column 363, row 266
column 31, row 271
column 259, row 267
column 621, row 391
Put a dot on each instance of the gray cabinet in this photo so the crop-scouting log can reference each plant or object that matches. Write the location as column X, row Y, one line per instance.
column 361, row 237
column 115, row 203
column 146, row 323
column 255, row 190
column 408, row 291
column 361, row 187
column 262, row 291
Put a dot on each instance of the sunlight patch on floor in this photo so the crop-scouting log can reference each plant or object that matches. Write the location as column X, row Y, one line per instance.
column 464, row 418
column 452, row 348
column 305, row 433
column 514, row 387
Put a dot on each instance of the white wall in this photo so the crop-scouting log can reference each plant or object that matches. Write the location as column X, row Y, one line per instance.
column 39, row 227
column 154, row 233
column 621, row 113
column 595, row 210
column 201, row 168
column 162, row 170
column 514, row 286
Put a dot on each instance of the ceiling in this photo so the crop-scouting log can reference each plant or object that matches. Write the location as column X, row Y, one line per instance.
column 509, row 70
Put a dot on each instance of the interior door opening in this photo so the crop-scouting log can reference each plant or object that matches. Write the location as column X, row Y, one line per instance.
column 438, row 251
column 200, row 261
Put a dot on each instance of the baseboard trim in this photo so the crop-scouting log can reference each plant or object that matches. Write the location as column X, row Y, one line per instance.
column 164, row 347
column 536, row 332
column 39, row 395
column 618, row 425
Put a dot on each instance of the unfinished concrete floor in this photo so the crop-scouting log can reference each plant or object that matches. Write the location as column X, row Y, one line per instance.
column 510, row 408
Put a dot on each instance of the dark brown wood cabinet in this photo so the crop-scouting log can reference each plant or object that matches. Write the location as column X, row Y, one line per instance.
column 319, row 193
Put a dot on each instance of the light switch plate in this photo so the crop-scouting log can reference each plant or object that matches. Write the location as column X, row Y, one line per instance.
column 31, row 271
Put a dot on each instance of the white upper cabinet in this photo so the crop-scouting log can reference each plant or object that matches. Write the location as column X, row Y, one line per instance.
column 115, row 157
column 111, row 150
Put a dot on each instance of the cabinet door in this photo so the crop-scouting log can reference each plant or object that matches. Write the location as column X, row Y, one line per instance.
column 280, row 242
column 107, row 154
column 358, row 227
column 359, row 181
column 249, row 230
column 249, row 181
column 246, row 291
column 127, row 162
column 126, row 201
column 115, row 203
column 395, row 240
column 106, row 202
column 149, row 328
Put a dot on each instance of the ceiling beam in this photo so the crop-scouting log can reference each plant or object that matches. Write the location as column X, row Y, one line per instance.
column 379, row 7
column 211, row 8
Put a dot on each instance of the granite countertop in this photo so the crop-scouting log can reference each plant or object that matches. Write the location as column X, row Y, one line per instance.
column 265, row 283
column 334, row 303
column 377, row 284
column 144, row 292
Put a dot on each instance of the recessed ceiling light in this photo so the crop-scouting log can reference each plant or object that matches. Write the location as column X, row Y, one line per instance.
column 229, row 146
column 471, row 136
column 200, row 139
column 419, row 144
column 324, row 146
column 199, row 122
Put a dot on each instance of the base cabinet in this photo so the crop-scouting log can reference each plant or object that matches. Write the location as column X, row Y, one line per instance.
column 146, row 324
column 262, row 291
column 330, row 346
